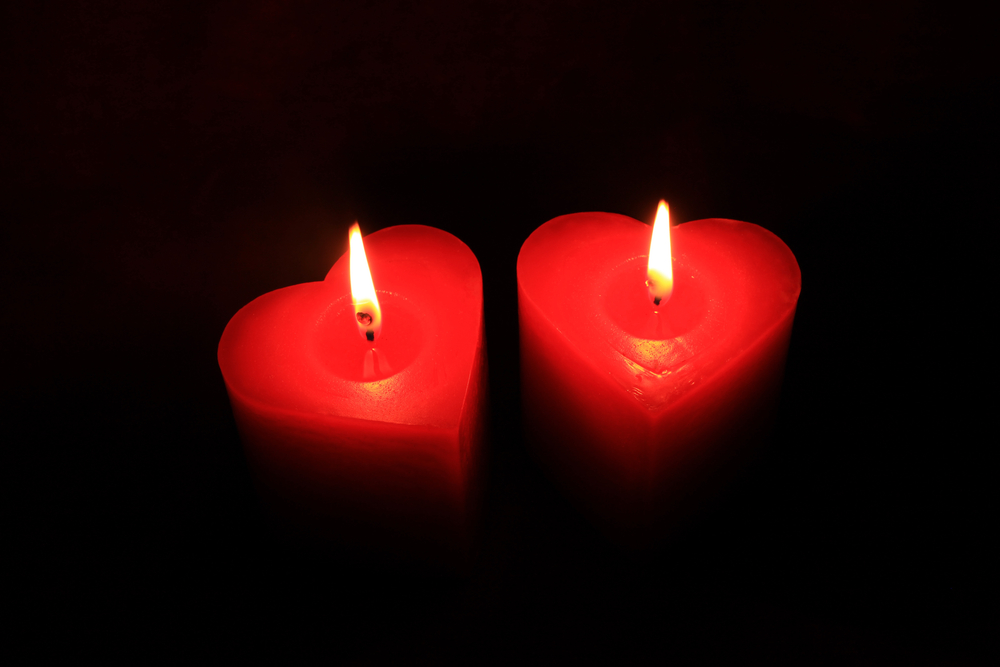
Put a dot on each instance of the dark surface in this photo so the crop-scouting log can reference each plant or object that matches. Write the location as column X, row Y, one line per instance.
column 163, row 167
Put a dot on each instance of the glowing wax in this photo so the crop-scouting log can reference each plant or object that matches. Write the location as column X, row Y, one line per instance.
column 374, row 445
column 638, row 412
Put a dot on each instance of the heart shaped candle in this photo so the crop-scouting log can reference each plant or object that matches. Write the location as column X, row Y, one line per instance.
column 371, row 441
column 639, row 410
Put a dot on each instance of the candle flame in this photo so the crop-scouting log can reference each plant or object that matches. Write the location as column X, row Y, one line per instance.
column 366, row 308
column 660, row 270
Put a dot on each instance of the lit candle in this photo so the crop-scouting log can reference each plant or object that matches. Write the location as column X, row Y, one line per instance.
column 361, row 399
column 647, row 368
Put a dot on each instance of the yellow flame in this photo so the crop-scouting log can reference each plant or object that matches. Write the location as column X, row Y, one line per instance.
column 366, row 308
column 660, row 270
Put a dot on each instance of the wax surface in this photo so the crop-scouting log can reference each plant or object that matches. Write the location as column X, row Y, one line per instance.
column 637, row 410
column 375, row 445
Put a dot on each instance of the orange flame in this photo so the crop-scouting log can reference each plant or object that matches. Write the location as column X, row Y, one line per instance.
column 366, row 308
column 660, row 270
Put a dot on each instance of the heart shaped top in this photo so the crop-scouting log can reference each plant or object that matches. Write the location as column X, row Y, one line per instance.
column 586, row 272
column 298, row 349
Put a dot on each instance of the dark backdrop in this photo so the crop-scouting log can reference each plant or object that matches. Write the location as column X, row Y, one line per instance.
column 164, row 165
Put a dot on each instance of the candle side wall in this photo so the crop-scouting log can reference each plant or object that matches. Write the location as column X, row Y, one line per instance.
column 589, row 436
column 380, row 489
column 473, row 439
column 703, row 441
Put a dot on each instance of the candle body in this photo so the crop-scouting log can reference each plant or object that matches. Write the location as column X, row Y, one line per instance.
column 377, row 446
column 638, row 412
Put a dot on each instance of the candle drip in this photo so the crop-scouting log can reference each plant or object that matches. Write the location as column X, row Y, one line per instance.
column 376, row 365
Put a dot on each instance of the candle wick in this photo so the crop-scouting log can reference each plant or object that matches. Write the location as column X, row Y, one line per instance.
column 370, row 335
column 656, row 301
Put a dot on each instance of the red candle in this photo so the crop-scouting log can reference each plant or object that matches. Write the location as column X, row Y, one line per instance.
column 363, row 416
column 641, row 388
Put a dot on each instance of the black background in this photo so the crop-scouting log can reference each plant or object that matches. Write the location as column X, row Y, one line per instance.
column 164, row 165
